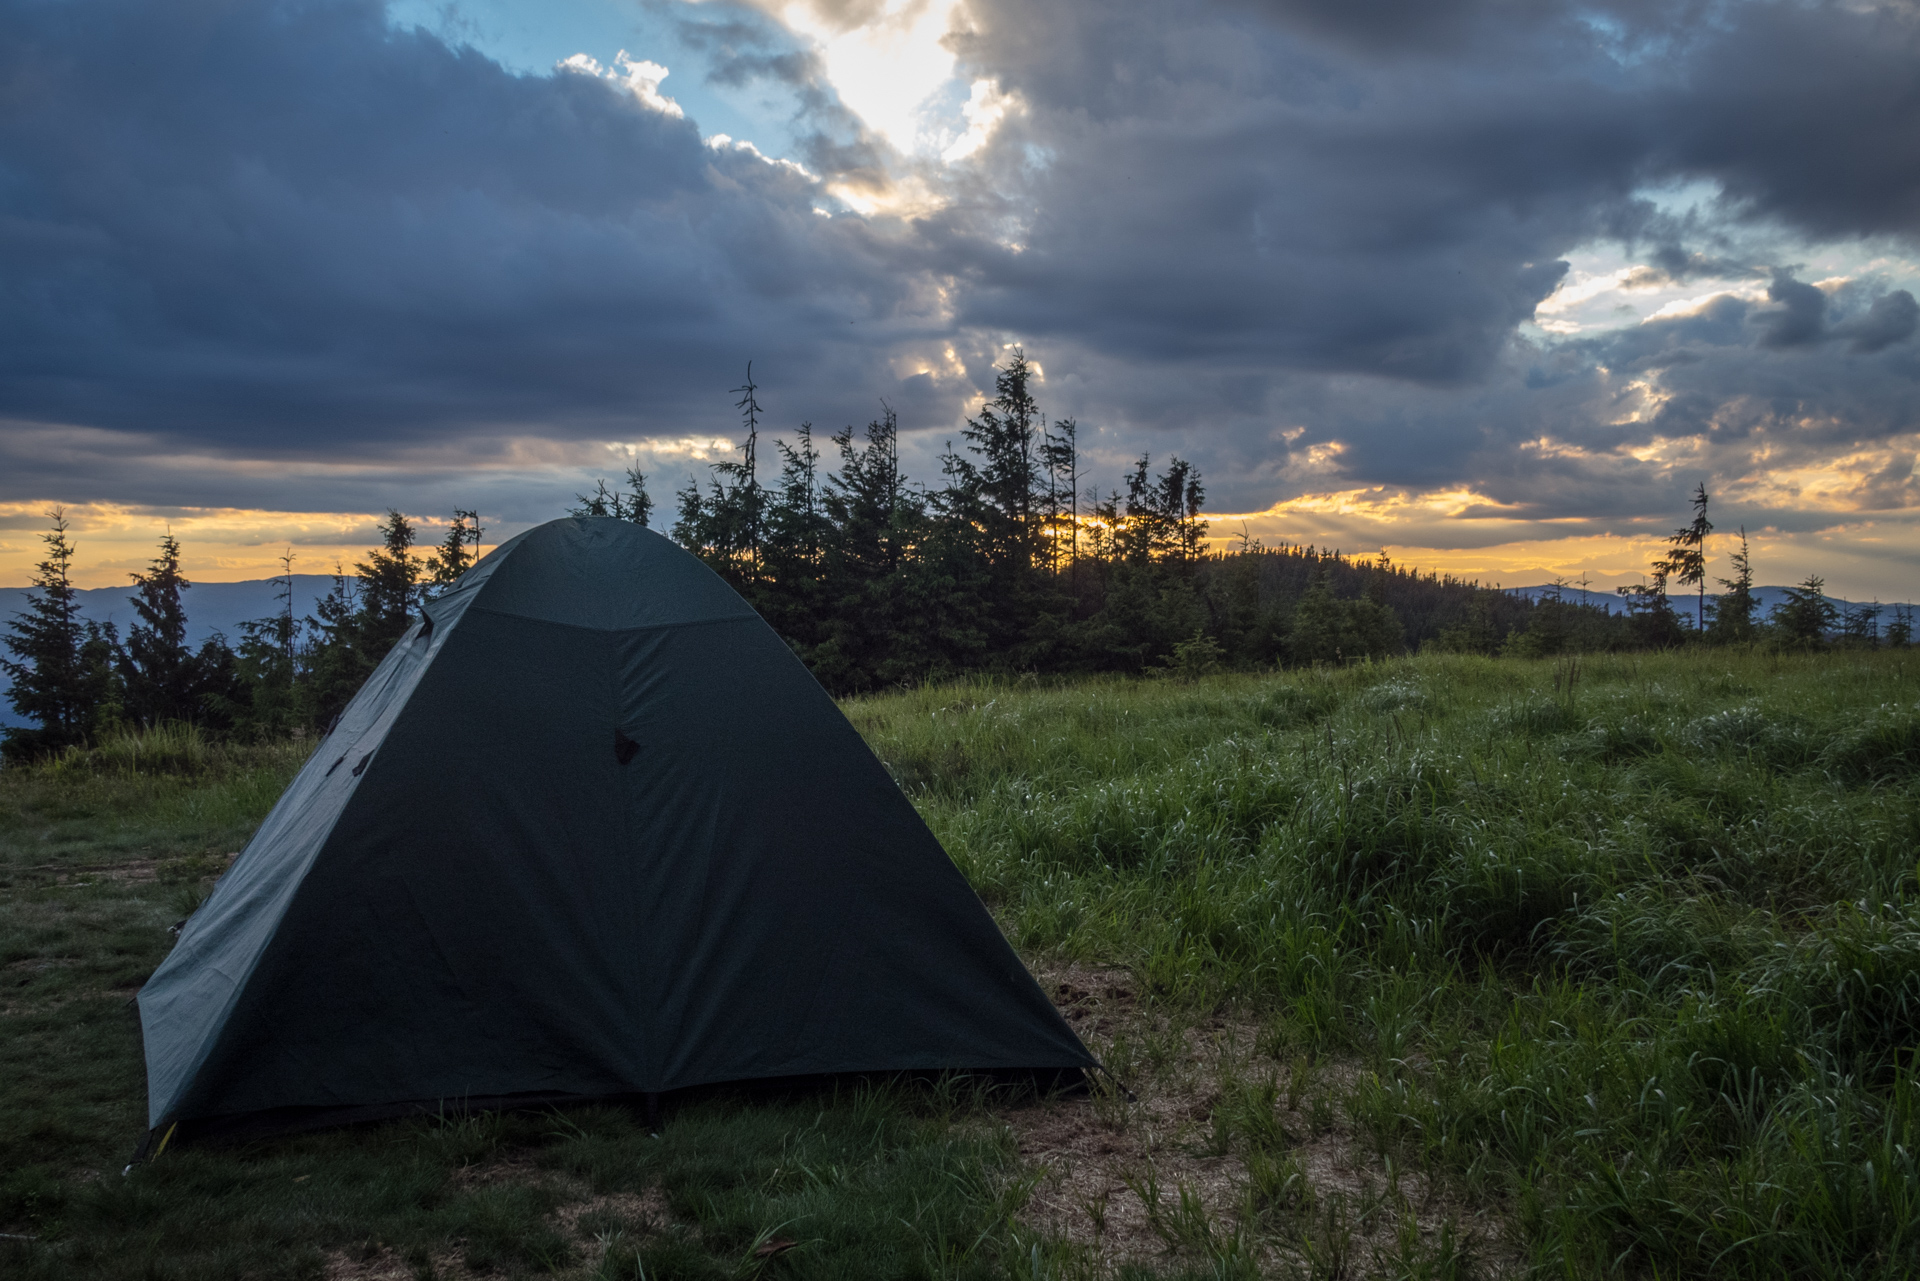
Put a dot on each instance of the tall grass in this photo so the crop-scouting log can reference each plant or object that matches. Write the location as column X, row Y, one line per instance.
column 1629, row 944
column 1625, row 949
column 162, row 793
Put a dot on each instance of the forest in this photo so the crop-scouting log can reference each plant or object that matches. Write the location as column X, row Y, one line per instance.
column 1015, row 563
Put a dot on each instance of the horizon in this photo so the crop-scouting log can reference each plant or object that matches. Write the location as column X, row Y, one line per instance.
column 1604, row 595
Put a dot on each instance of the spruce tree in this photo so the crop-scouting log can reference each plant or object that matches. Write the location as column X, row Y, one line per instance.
column 1182, row 496
column 267, row 664
column 635, row 505
column 1733, row 620
column 725, row 527
column 1860, row 626
column 1317, row 634
column 337, row 663
column 1060, row 459
column 389, row 590
column 1007, row 478
column 1900, row 629
column 744, row 509
column 797, row 527
column 453, row 557
column 160, row 671
column 1804, row 618
column 219, row 692
column 793, row 593
column 1326, row 629
column 53, row 684
column 361, row 618
column 1686, row 561
column 1651, row 622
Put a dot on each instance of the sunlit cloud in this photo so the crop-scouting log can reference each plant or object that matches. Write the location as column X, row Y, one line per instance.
column 638, row 76
column 1820, row 519
column 886, row 61
column 986, row 106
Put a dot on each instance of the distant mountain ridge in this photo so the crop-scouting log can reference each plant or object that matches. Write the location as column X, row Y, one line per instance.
column 1613, row 603
column 211, row 607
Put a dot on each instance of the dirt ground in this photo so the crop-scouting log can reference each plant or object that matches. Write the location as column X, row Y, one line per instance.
column 1154, row 1171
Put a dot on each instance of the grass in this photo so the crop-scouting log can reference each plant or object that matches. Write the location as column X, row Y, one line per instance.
column 1629, row 947
column 1438, row 967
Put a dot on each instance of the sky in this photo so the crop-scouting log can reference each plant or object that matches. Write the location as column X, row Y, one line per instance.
column 1490, row 286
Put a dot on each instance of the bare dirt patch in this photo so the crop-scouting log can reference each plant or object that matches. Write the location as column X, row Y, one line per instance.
column 1218, row 1148
column 384, row 1263
column 592, row 1224
column 518, row 1167
column 640, row 1211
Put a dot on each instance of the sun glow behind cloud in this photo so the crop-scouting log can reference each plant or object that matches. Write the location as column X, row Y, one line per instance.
column 887, row 68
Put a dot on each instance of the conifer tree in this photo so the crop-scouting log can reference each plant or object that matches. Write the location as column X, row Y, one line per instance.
column 1162, row 514
column 726, row 526
column 797, row 526
column 361, row 618
column 745, row 507
column 1182, row 498
column 338, row 663
column 894, row 607
column 866, row 499
column 453, row 557
column 1060, row 459
column 389, row 589
column 793, row 590
column 267, row 663
column 1317, row 634
column 50, row 685
column 286, row 631
column 1805, row 617
column 1900, row 629
column 1733, row 620
column 1686, row 559
column 160, row 673
column 1650, row 617
column 1476, row 632
column 1326, row 629
column 635, row 505
column 1860, row 626
column 1005, row 482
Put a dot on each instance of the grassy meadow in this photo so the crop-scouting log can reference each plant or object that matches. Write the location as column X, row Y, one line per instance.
column 1440, row 967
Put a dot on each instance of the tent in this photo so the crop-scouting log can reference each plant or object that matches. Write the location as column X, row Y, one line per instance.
column 590, row 830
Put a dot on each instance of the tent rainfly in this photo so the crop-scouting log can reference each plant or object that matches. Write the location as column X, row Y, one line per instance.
column 590, row 830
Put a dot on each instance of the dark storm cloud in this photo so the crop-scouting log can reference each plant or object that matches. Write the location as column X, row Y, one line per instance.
column 1892, row 318
column 1354, row 206
column 1246, row 230
column 1800, row 319
column 1340, row 187
column 246, row 222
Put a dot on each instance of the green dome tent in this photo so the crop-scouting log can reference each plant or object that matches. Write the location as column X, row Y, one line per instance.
column 590, row 830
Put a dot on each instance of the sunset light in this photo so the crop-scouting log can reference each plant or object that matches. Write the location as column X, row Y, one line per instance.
column 676, row 638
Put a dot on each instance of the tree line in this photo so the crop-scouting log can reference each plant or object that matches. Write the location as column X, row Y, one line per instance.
column 77, row 679
column 1013, row 563
column 1805, row 620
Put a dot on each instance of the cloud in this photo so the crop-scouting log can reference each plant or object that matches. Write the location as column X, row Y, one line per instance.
column 1314, row 247
column 1892, row 318
column 1800, row 318
column 255, row 223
